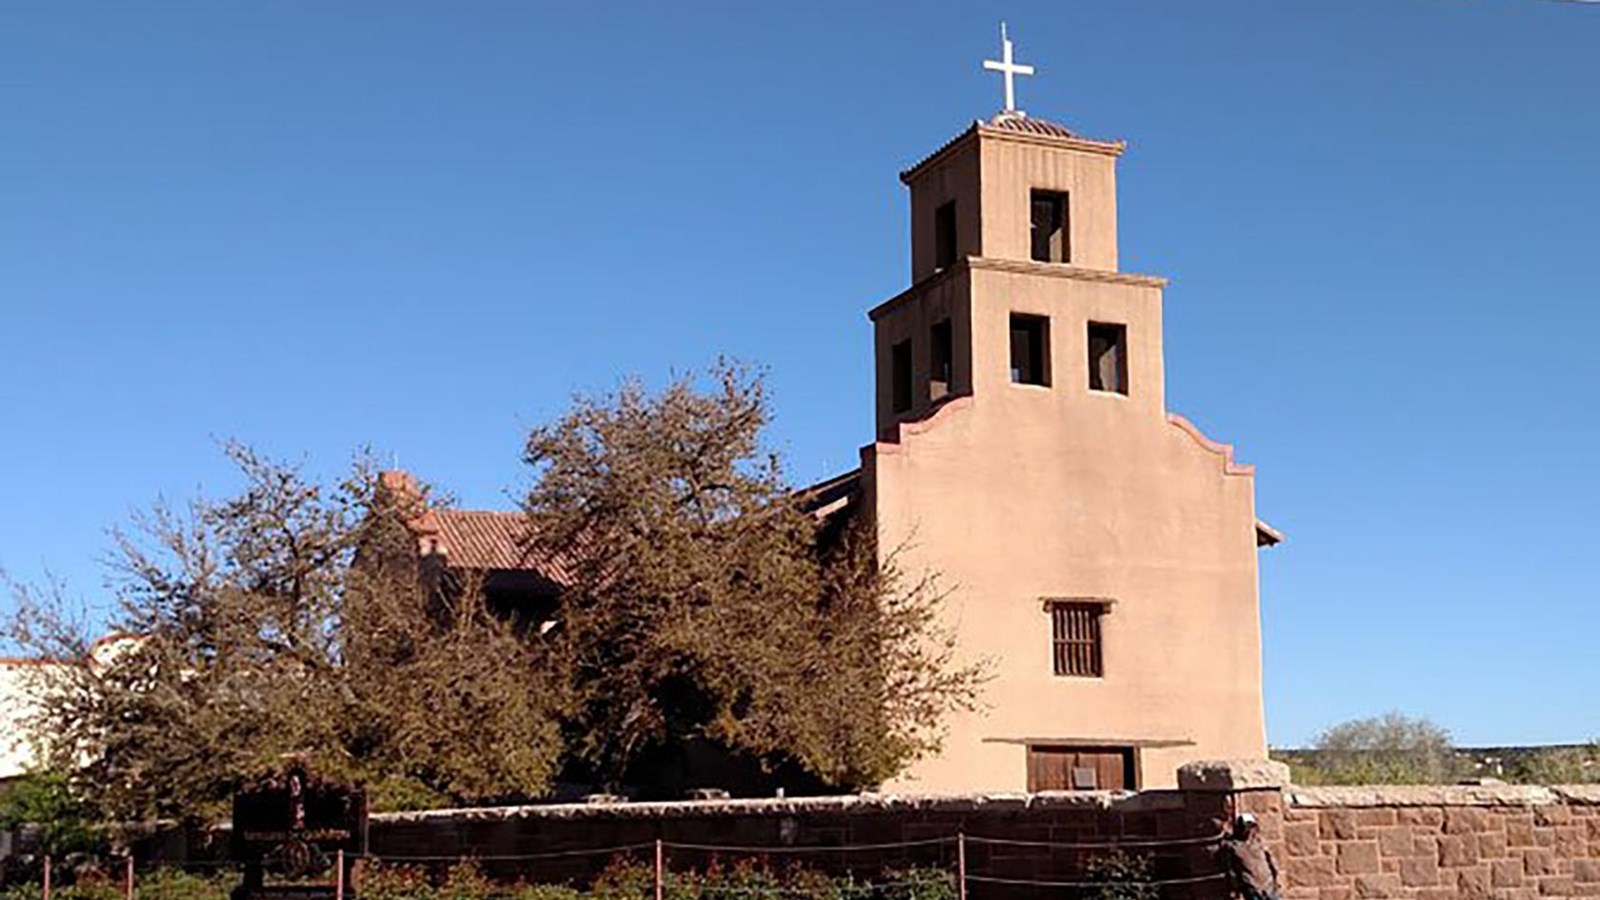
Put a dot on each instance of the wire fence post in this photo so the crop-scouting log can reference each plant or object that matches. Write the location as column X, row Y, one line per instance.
column 127, row 876
column 661, row 870
column 338, row 876
column 961, row 864
column 46, row 886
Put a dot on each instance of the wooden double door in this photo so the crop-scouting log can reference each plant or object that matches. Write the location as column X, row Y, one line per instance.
column 1081, row 769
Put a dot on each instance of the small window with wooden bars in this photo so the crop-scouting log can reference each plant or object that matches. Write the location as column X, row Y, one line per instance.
column 1075, row 637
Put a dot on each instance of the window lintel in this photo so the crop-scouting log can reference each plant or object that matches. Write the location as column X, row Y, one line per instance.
column 1104, row 603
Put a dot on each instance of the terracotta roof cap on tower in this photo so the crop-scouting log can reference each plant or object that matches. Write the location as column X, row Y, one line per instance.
column 1026, row 125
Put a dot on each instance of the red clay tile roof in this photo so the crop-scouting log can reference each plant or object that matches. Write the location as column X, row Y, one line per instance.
column 475, row 539
column 482, row 539
column 487, row 540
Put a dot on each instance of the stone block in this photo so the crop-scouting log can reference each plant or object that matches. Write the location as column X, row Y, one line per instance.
column 1465, row 820
column 1339, row 824
column 1359, row 858
column 1300, row 839
column 1537, row 862
column 1431, row 816
column 1505, row 873
column 1375, row 817
column 1377, row 887
column 1586, row 871
column 1554, row 814
column 1492, row 845
column 1519, row 832
column 1556, row 886
column 1473, row 884
column 1227, row 776
column 1315, row 872
column 1336, row 893
column 1395, row 841
column 1419, row 871
column 1456, row 851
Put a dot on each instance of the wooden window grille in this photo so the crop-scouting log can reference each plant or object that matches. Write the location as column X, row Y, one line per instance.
column 1075, row 628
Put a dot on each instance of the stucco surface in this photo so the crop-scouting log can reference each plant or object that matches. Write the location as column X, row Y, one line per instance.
column 1015, row 494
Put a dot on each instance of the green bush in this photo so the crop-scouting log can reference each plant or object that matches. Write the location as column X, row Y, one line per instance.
column 46, row 801
column 1122, row 876
column 176, row 884
column 630, row 879
column 84, row 889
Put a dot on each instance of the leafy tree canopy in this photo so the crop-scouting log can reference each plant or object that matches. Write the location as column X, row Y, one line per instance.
column 1388, row 749
column 288, row 618
column 706, row 607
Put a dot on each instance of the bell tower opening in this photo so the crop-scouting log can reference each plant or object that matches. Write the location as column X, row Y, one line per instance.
column 1049, row 221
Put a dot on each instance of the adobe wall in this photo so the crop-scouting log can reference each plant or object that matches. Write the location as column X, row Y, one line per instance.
column 1023, row 493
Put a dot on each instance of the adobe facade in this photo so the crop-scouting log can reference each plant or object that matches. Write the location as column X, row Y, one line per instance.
column 1099, row 552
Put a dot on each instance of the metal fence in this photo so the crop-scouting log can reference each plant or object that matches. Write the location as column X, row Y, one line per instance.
column 668, row 860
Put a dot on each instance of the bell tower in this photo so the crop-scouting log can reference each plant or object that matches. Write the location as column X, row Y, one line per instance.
column 1013, row 196
column 1099, row 552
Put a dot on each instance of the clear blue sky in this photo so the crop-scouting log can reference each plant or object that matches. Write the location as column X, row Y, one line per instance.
column 423, row 226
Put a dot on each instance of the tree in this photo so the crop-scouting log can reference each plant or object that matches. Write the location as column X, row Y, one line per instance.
column 1387, row 749
column 286, row 619
column 707, row 609
column 707, row 605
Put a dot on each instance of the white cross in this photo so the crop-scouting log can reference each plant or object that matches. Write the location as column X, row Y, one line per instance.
column 1009, row 68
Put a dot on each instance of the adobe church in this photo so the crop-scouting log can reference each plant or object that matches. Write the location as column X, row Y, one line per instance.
column 1099, row 551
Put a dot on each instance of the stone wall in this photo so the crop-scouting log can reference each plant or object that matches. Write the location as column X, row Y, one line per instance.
column 1040, row 837
column 1407, row 843
column 1422, row 843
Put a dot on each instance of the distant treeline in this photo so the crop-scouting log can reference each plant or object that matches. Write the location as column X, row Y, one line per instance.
column 1547, row 764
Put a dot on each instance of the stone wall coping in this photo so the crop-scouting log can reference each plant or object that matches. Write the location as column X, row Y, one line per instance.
column 1583, row 794
column 851, row 804
column 1231, row 775
column 1441, row 795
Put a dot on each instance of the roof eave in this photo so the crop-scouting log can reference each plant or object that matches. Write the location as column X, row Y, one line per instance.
column 1267, row 536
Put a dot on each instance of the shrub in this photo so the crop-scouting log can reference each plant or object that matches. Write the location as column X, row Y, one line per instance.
column 1122, row 876
column 46, row 801
column 1387, row 749
column 176, row 884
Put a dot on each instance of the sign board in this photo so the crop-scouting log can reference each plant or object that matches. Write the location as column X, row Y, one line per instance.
column 294, row 824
